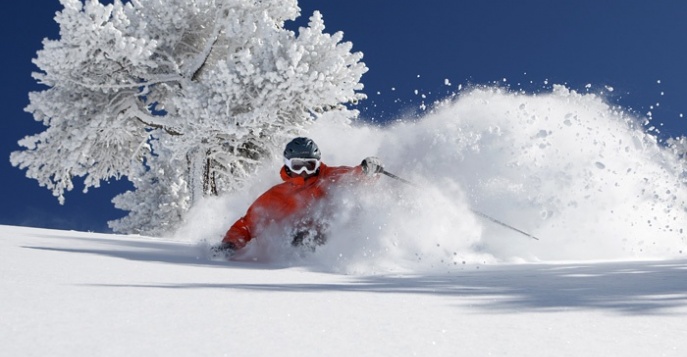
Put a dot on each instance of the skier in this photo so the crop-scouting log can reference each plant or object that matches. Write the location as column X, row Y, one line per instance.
column 306, row 182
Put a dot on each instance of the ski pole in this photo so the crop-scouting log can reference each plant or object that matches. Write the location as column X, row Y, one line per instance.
column 483, row 215
column 399, row 179
column 503, row 224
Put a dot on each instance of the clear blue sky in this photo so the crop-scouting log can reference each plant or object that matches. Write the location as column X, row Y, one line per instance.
column 629, row 45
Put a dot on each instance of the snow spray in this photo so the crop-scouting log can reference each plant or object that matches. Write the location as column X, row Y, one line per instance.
column 583, row 176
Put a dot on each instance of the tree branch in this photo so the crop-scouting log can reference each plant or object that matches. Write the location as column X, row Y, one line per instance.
column 159, row 126
column 149, row 120
column 205, row 54
column 160, row 79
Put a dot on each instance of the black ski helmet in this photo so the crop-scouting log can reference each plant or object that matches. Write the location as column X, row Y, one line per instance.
column 303, row 148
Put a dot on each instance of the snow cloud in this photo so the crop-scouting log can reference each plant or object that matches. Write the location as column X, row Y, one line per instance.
column 581, row 175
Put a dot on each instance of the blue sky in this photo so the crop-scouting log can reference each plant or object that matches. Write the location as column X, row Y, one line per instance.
column 637, row 47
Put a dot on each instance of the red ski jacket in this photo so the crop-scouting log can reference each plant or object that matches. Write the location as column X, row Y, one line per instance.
column 287, row 200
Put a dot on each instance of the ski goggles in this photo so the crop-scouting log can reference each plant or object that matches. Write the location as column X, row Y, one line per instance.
column 299, row 166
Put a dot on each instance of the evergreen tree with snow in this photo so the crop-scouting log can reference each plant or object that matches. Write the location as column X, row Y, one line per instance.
column 184, row 98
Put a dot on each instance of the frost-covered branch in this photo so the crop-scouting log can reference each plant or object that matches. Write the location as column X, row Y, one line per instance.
column 121, row 86
column 204, row 55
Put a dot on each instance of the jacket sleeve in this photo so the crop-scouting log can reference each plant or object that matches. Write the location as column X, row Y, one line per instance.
column 239, row 234
column 243, row 230
column 350, row 174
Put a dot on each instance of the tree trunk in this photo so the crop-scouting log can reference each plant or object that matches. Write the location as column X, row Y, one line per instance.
column 209, row 184
column 196, row 166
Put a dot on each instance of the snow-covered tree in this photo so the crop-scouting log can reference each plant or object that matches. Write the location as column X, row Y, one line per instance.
column 183, row 97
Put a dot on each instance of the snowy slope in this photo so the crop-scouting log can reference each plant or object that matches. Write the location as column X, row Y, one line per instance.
column 84, row 294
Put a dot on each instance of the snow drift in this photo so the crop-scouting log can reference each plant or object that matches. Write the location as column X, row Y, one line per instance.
column 584, row 176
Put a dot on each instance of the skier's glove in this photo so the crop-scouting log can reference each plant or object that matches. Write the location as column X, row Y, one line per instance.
column 224, row 250
column 372, row 165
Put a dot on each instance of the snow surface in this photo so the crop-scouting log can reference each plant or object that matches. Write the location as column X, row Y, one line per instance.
column 82, row 294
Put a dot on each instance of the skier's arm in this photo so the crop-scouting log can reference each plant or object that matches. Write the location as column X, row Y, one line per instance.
column 238, row 235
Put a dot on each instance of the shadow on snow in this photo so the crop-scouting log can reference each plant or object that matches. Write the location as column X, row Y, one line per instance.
column 633, row 288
